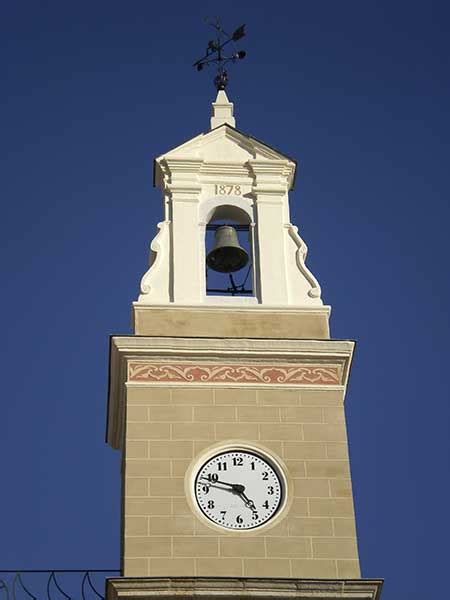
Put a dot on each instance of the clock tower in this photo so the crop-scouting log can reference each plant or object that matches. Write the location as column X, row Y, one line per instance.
column 227, row 403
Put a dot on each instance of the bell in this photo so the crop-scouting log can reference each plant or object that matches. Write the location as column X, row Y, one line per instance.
column 226, row 256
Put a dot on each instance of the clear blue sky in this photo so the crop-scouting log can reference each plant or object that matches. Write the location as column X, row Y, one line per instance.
column 358, row 92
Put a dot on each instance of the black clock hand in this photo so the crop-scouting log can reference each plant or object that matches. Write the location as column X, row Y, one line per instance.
column 248, row 502
column 236, row 487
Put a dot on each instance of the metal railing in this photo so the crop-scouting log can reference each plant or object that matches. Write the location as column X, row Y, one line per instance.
column 57, row 584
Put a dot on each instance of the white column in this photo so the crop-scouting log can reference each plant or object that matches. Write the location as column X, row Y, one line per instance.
column 186, row 256
column 271, row 196
column 270, row 243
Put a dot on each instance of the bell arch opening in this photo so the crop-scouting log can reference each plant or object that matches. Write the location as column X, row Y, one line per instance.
column 229, row 252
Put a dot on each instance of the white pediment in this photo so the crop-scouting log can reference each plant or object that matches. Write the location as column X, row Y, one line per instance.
column 225, row 143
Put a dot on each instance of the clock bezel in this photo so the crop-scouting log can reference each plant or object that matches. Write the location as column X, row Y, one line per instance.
column 236, row 446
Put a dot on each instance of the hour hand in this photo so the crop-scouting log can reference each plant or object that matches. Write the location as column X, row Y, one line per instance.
column 235, row 487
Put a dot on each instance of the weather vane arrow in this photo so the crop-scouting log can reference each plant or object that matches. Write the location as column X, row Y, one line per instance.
column 215, row 53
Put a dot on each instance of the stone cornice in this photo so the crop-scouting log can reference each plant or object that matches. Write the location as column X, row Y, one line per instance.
column 192, row 157
column 224, row 168
column 273, row 171
column 183, row 164
column 275, row 194
column 242, row 588
column 185, row 188
column 276, row 167
column 156, row 346
column 261, row 308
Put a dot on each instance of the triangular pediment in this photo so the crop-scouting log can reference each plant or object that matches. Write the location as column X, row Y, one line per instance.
column 225, row 143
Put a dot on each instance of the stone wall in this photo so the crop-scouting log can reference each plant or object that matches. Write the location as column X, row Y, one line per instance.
column 166, row 428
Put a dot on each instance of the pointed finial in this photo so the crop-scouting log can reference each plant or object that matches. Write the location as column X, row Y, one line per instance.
column 214, row 53
column 222, row 111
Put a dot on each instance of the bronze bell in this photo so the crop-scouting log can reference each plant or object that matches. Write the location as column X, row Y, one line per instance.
column 227, row 255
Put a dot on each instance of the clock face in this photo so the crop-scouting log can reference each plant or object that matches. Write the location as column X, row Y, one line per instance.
column 239, row 489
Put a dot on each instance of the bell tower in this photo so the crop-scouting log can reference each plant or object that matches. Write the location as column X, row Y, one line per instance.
column 227, row 403
column 227, row 175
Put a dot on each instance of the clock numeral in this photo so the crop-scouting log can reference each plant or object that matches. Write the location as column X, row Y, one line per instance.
column 222, row 466
column 252, row 465
column 205, row 489
column 270, row 490
column 238, row 461
column 239, row 519
column 255, row 516
column 211, row 504
column 265, row 476
column 265, row 504
column 223, row 513
column 213, row 477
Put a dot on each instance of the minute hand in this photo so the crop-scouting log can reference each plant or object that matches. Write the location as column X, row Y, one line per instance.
column 248, row 502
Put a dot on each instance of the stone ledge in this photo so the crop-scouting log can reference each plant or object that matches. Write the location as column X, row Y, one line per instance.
column 242, row 588
column 215, row 321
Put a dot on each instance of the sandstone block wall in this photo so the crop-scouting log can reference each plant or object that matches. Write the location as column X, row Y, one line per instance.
column 167, row 427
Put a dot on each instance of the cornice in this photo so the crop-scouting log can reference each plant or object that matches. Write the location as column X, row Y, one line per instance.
column 263, row 160
column 276, row 193
column 261, row 308
column 238, row 346
column 182, row 164
column 179, row 188
column 243, row 588
column 273, row 171
column 224, row 168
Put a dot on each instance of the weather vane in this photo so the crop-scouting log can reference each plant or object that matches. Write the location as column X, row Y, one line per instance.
column 214, row 52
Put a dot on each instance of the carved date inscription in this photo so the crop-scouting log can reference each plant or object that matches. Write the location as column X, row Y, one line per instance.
column 227, row 190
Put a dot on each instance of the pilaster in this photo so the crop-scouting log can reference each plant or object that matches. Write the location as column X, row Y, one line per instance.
column 184, row 191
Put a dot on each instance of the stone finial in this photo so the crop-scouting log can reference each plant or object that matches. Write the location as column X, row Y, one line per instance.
column 222, row 111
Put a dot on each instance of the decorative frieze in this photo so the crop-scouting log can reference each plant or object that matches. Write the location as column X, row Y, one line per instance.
column 231, row 373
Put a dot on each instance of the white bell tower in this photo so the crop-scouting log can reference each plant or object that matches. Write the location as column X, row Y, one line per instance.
column 228, row 174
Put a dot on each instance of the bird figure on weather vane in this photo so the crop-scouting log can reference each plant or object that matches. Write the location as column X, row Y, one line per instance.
column 215, row 54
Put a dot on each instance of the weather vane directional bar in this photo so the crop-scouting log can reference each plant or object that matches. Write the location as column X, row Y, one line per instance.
column 215, row 53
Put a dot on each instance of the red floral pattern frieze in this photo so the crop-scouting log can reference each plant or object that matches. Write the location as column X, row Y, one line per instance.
column 275, row 374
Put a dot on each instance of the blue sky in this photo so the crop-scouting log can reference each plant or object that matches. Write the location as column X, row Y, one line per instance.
column 358, row 92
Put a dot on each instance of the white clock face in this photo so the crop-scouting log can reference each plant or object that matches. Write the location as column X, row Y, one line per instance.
column 239, row 489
